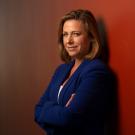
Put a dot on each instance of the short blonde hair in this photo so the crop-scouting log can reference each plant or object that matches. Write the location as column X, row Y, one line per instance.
column 90, row 24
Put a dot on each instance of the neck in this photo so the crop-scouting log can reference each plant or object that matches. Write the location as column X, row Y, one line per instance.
column 77, row 62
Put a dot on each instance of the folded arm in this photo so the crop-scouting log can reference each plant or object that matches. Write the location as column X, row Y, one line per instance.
column 90, row 95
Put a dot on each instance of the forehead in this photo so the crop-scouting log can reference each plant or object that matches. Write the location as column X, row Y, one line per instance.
column 73, row 25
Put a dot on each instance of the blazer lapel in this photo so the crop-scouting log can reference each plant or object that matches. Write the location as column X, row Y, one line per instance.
column 73, row 78
column 62, row 77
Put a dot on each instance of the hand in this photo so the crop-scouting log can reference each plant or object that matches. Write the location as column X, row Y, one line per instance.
column 69, row 101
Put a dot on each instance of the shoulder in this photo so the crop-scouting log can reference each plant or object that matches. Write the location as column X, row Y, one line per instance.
column 95, row 66
column 62, row 68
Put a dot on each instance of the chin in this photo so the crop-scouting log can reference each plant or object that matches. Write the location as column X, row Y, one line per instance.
column 72, row 55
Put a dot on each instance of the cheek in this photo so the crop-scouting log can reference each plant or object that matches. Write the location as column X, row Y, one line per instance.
column 79, row 41
column 85, row 46
column 64, row 45
column 84, row 43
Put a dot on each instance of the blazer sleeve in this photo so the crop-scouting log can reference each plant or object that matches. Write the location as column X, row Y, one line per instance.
column 45, row 99
column 91, row 94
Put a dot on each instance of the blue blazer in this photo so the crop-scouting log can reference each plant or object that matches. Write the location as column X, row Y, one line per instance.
column 86, row 114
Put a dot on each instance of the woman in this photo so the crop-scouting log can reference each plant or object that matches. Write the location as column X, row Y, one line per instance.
column 78, row 97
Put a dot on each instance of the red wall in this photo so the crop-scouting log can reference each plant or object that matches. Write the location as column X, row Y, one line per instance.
column 29, row 55
column 119, row 19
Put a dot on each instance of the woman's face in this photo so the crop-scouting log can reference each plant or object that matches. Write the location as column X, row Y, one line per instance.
column 75, row 39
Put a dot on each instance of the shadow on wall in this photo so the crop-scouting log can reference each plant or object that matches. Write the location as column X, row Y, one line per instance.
column 111, row 126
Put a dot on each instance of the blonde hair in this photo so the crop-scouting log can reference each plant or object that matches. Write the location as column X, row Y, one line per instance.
column 89, row 21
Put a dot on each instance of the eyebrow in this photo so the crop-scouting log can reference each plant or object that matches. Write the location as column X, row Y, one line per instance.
column 71, row 31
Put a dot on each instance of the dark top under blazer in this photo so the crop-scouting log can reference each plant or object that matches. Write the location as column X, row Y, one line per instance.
column 87, row 112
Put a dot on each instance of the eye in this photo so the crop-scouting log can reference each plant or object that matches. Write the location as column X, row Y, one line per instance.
column 76, row 34
column 65, row 34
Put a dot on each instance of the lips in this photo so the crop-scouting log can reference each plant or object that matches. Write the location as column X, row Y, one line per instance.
column 72, row 47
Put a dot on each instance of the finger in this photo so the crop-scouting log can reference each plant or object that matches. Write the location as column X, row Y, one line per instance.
column 72, row 96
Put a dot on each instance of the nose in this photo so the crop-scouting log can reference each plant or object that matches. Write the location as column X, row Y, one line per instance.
column 70, row 39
